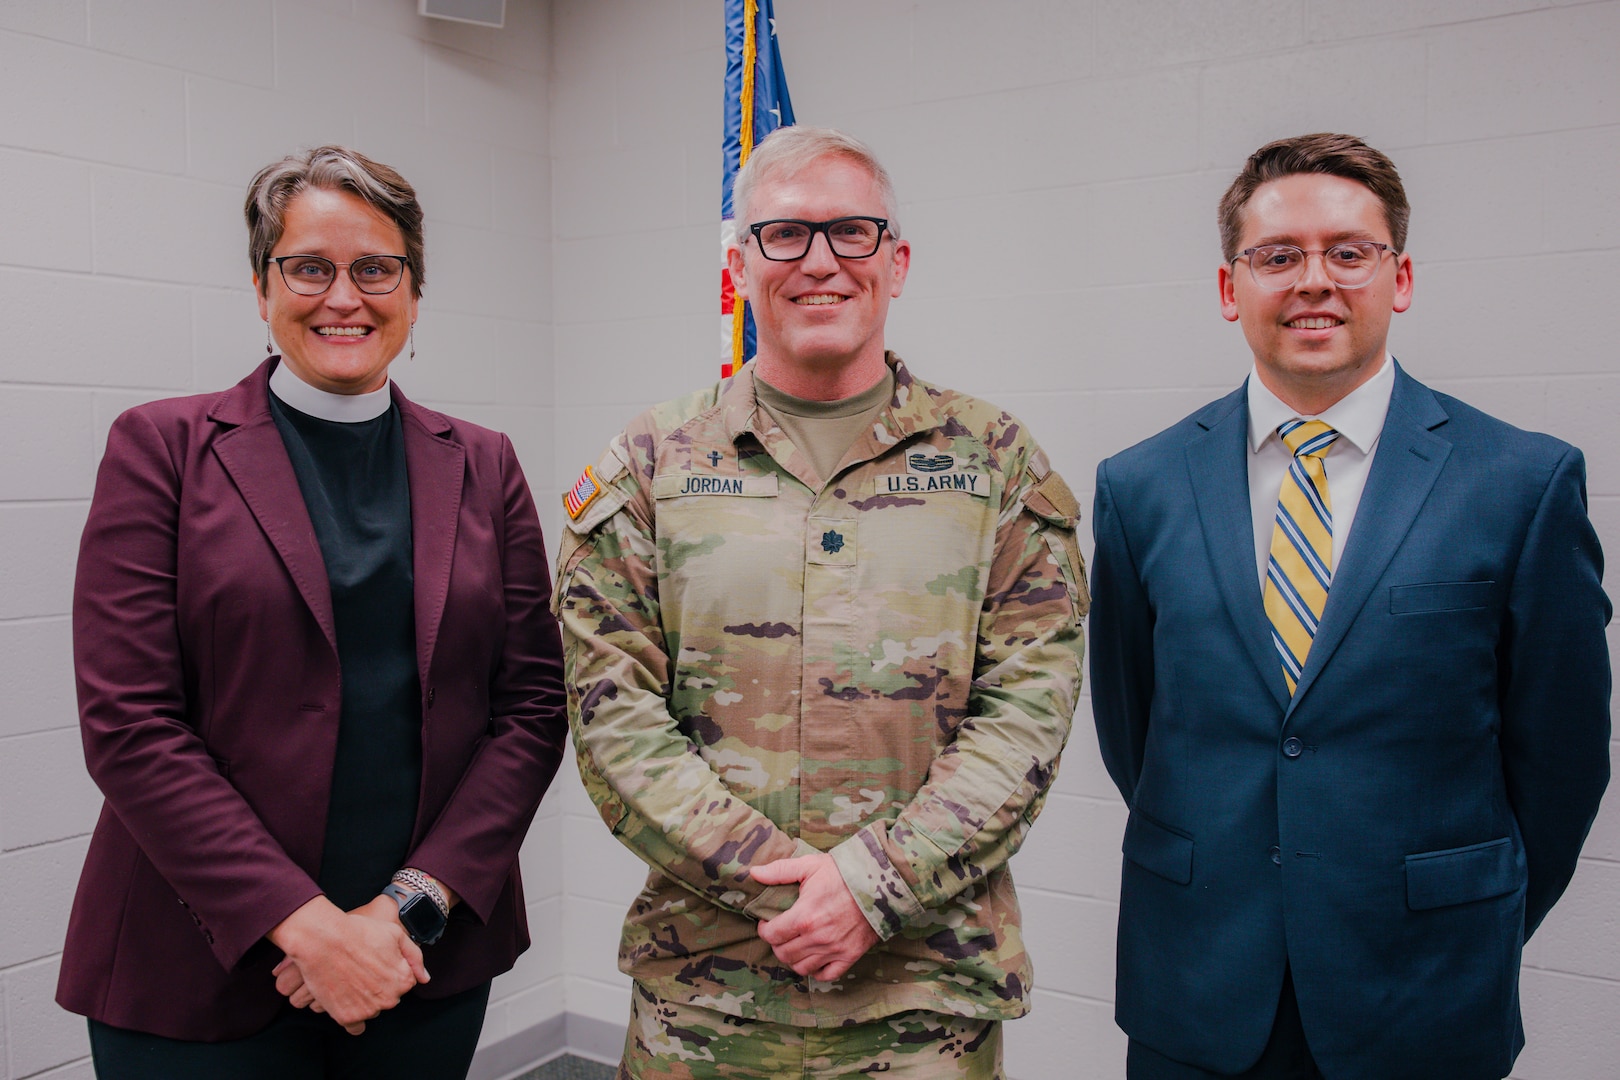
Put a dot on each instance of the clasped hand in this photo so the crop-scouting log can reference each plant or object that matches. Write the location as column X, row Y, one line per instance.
column 350, row 965
column 824, row 932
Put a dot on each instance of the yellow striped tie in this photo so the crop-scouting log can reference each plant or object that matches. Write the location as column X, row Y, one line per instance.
column 1301, row 566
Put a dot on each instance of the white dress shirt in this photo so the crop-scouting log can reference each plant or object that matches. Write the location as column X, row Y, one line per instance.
column 325, row 405
column 1358, row 417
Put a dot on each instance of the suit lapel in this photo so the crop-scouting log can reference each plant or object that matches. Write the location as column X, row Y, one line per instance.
column 1407, row 463
column 1217, row 464
column 435, row 466
column 256, row 459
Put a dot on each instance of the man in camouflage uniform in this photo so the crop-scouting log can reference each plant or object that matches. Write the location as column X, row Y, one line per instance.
column 823, row 644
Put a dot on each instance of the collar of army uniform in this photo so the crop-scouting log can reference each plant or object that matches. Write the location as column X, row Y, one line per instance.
column 911, row 412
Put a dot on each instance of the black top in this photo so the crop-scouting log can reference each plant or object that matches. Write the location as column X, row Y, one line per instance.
column 355, row 487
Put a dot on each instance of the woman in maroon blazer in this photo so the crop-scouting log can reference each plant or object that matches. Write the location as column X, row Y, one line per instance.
column 318, row 683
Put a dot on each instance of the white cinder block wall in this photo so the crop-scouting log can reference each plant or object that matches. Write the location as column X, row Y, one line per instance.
column 128, row 133
column 1058, row 164
column 570, row 162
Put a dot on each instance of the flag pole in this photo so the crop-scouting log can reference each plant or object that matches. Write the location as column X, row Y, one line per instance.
column 756, row 104
column 745, row 142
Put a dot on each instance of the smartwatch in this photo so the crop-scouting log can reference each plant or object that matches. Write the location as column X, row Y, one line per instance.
column 420, row 916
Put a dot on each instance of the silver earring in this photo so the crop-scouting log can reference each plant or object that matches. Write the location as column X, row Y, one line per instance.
column 268, row 348
column 413, row 341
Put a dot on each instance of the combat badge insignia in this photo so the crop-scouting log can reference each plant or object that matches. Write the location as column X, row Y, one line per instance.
column 578, row 497
column 930, row 463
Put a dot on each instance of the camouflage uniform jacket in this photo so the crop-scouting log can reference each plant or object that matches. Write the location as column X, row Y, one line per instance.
column 883, row 668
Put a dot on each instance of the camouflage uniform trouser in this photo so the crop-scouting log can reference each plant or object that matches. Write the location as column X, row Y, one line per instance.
column 667, row 1041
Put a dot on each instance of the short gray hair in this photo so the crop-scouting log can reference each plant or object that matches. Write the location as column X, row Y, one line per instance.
column 333, row 168
column 787, row 150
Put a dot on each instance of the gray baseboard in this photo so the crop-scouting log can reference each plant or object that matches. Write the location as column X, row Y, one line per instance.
column 599, row 1040
column 584, row 1036
column 517, row 1052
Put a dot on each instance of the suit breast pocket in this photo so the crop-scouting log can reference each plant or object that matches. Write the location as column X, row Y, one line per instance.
column 1441, row 596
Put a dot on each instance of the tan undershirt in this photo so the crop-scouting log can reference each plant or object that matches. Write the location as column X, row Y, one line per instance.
column 825, row 430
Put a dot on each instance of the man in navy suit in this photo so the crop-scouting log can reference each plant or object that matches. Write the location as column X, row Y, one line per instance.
column 1350, row 674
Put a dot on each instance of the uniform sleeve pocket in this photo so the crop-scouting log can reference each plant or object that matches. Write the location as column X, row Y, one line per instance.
column 1440, row 596
column 1438, row 879
column 1158, row 849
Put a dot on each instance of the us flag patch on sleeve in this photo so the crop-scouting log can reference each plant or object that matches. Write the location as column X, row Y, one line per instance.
column 578, row 497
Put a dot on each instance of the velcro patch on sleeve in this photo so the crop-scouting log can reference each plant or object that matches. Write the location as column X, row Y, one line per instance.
column 1052, row 499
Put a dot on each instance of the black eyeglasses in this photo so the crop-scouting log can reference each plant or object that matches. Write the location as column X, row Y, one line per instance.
column 786, row 239
column 1351, row 265
column 311, row 275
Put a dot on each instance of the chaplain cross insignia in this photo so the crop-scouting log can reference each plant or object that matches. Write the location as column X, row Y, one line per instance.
column 714, row 457
column 831, row 542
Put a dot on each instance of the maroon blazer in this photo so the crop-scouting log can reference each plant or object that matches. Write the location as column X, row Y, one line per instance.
column 209, row 697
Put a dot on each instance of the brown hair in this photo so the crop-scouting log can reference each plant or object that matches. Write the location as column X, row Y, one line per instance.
column 1324, row 152
column 334, row 168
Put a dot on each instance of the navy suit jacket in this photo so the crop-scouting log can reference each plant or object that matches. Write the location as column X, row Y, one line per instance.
column 209, row 699
column 1397, row 829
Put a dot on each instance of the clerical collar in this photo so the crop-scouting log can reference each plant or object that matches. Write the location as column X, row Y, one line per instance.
column 325, row 405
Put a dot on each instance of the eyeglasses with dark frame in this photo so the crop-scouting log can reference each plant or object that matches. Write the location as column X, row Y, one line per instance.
column 787, row 239
column 1350, row 265
column 312, row 275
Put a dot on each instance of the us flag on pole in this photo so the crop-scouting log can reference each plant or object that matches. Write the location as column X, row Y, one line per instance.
column 756, row 104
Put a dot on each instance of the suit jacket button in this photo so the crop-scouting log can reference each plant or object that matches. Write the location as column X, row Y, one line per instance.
column 1292, row 747
column 1276, row 855
column 430, row 697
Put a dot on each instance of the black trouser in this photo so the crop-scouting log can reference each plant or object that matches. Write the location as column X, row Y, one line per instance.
column 1286, row 1056
column 422, row 1038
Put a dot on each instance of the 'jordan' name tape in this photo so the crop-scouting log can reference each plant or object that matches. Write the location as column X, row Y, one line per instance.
column 677, row 484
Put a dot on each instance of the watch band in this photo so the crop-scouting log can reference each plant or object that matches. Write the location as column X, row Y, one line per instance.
column 417, row 881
